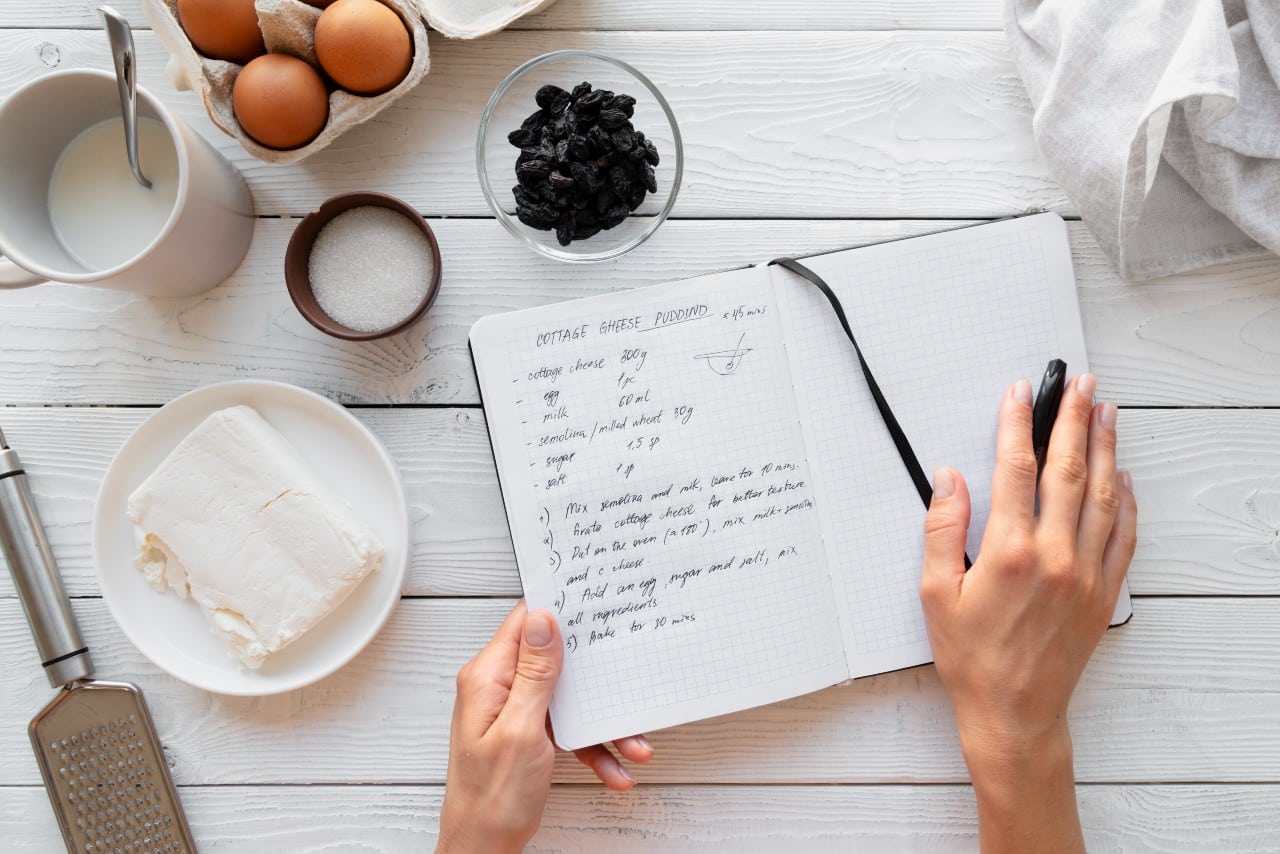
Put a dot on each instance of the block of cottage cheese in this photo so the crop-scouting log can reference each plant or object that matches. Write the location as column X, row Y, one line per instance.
column 236, row 520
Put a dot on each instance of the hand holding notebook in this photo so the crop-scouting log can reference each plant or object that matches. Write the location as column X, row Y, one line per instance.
column 701, row 488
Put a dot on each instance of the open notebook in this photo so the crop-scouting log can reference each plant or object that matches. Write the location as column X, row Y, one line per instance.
column 700, row 486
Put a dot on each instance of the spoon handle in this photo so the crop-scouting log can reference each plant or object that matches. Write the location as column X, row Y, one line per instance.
column 122, row 52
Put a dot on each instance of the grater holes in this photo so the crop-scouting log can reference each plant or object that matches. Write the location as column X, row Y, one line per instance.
column 110, row 789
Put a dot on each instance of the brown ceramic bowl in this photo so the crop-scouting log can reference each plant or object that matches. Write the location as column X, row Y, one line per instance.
column 298, row 255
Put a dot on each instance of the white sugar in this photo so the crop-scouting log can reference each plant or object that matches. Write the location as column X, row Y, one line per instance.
column 370, row 268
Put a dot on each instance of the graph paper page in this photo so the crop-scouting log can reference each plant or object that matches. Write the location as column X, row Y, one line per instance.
column 657, row 488
column 947, row 322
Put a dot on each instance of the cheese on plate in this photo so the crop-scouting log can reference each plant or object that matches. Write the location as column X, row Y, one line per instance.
column 236, row 520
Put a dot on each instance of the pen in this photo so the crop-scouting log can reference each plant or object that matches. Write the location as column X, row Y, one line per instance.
column 1045, row 411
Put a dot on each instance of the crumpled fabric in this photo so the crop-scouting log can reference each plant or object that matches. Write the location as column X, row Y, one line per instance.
column 1161, row 121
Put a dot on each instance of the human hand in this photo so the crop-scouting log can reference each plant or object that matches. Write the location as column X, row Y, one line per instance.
column 500, row 752
column 1011, row 636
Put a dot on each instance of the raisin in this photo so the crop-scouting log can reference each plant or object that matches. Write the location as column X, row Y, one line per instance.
column 560, row 181
column 579, row 148
column 521, row 138
column 625, row 103
column 619, row 180
column 637, row 151
column 651, row 153
column 564, row 124
column 580, row 90
column 547, row 94
column 586, row 176
column 552, row 195
column 612, row 119
column 650, row 179
column 560, row 104
column 562, row 151
column 636, row 197
column 600, row 139
column 532, row 172
column 624, row 138
column 589, row 104
column 532, row 217
column 523, row 197
column 614, row 216
column 536, row 121
column 565, row 229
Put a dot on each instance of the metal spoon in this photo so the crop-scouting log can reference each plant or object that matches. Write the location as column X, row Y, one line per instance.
column 121, row 37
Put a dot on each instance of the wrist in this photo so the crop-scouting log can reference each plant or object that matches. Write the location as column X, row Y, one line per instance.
column 469, row 837
column 997, row 752
column 1024, row 784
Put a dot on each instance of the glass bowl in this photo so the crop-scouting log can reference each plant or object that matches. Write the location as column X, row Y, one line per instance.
column 513, row 101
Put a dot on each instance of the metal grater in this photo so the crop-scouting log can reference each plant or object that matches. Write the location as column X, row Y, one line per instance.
column 96, row 745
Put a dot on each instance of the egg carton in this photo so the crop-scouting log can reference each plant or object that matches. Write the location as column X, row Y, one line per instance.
column 288, row 26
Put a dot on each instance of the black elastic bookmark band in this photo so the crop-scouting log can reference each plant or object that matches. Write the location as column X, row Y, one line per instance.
column 899, row 436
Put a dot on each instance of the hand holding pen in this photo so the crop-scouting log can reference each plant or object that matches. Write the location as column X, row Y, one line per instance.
column 1011, row 637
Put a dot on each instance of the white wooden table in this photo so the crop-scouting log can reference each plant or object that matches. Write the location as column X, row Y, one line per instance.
column 809, row 126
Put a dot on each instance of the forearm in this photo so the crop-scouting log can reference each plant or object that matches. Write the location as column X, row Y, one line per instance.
column 1026, row 793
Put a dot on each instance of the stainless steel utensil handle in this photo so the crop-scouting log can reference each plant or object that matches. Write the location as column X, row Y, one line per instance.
column 35, row 575
column 124, row 55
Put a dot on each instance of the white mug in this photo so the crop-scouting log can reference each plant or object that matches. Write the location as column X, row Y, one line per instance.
column 204, row 238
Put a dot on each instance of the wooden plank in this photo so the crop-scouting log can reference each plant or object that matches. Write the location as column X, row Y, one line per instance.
column 822, row 15
column 890, row 124
column 1207, row 485
column 1197, row 475
column 744, row 819
column 1210, row 338
column 1188, row 691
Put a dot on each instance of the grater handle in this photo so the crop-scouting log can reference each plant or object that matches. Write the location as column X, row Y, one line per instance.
column 26, row 551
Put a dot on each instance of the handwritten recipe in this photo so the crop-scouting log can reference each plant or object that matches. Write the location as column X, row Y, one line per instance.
column 675, row 513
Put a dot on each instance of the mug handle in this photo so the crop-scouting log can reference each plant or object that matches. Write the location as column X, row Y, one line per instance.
column 13, row 277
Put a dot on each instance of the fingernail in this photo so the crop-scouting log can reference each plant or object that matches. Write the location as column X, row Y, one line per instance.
column 622, row 769
column 537, row 629
column 1126, row 480
column 1107, row 415
column 1022, row 392
column 944, row 483
column 1086, row 384
column 644, row 743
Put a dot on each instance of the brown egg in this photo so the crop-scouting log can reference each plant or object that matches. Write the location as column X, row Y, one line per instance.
column 280, row 101
column 222, row 29
column 363, row 45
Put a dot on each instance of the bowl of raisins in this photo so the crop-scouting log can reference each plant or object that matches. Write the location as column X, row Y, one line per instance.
column 579, row 156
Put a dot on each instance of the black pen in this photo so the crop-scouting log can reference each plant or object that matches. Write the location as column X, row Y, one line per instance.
column 1045, row 411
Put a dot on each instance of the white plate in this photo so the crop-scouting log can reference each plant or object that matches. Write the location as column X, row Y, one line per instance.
column 172, row 632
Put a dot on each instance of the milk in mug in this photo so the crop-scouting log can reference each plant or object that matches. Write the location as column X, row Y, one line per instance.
column 101, row 215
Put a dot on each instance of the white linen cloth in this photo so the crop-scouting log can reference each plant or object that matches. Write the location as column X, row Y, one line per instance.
column 1161, row 120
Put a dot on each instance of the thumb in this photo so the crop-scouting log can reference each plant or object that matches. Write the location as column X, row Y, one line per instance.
column 945, row 529
column 537, row 670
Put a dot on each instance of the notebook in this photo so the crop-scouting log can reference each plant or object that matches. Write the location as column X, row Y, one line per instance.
column 699, row 484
